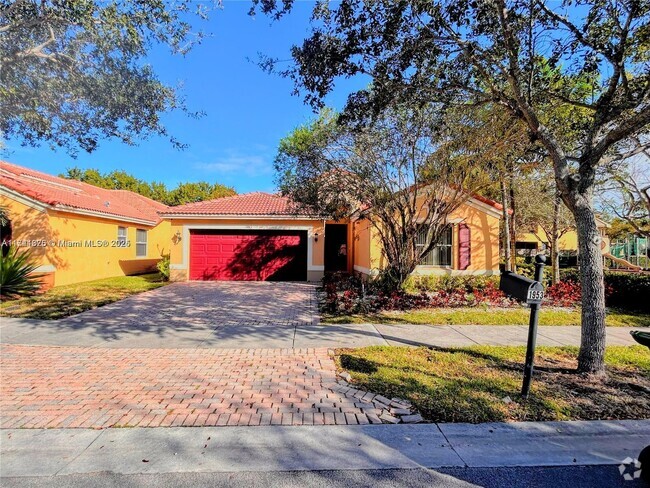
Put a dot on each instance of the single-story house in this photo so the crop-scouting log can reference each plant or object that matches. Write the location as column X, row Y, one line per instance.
column 90, row 233
column 261, row 236
column 79, row 232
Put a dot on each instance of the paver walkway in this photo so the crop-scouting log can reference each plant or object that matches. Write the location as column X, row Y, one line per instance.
column 74, row 387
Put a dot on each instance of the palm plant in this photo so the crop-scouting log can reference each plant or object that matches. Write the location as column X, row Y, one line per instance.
column 17, row 274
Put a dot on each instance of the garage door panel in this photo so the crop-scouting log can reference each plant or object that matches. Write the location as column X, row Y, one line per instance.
column 254, row 255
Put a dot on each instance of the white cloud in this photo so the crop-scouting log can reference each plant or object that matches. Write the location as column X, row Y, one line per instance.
column 234, row 163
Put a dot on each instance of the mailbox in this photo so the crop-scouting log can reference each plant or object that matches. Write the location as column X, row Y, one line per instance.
column 521, row 288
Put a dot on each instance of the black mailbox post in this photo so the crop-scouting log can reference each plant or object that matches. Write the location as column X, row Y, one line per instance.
column 531, row 292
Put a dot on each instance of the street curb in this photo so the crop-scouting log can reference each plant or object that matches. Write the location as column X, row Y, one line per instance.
column 43, row 452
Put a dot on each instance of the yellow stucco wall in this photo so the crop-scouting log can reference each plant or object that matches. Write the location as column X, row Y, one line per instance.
column 568, row 242
column 66, row 251
column 180, row 240
column 484, row 235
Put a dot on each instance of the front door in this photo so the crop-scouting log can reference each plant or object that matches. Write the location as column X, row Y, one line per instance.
column 336, row 247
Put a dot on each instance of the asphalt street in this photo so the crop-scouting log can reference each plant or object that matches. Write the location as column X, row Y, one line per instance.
column 514, row 477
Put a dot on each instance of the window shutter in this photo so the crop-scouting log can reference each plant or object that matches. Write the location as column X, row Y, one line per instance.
column 464, row 246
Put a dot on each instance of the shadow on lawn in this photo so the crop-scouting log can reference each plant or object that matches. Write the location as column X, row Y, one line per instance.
column 468, row 386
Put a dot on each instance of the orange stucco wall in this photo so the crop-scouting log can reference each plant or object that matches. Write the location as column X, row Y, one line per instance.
column 180, row 236
column 59, row 243
column 484, row 235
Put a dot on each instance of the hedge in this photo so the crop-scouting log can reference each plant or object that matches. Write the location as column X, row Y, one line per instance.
column 628, row 291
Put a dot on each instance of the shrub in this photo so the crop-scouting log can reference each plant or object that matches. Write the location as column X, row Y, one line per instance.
column 163, row 266
column 345, row 295
column 528, row 270
column 627, row 291
column 564, row 294
column 449, row 284
column 17, row 274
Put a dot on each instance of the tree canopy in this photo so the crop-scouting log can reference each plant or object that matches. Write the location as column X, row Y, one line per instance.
column 75, row 72
column 532, row 57
column 393, row 171
column 120, row 180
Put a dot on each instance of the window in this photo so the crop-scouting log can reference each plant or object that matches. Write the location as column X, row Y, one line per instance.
column 121, row 235
column 440, row 255
column 140, row 243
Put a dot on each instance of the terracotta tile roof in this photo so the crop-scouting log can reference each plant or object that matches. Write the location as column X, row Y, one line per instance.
column 488, row 201
column 256, row 203
column 71, row 195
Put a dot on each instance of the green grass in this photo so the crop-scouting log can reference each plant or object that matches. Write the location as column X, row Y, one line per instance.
column 63, row 301
column 480, row 316
column 470, row 384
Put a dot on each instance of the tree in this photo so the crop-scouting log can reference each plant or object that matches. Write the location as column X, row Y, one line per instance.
column 625, row 191
column 121, row 180
column 540, row 207
column 397, row 171
column 73, row 72
column 589, row 58
column 497, row 143
column 197, row 192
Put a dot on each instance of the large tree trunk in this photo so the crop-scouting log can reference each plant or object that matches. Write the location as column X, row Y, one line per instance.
column 592, row 343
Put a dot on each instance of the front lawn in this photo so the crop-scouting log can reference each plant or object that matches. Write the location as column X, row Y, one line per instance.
column 481, row 316
column 482, row 383
column 63, row 301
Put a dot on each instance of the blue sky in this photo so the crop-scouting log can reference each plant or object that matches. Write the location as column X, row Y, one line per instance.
column 247, row 111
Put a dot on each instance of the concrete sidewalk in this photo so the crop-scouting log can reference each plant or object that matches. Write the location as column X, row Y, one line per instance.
column 61, row 452
column 296, row 335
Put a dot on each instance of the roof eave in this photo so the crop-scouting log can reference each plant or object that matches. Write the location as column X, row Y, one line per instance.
column 196, row 216
column 42, row 206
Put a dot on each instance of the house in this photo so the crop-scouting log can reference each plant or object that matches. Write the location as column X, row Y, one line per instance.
column 79, row 232
column 255, row 236
column 470, row 245
column 530, row 243
column 260, row 236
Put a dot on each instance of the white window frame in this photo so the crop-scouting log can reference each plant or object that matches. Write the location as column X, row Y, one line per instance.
column 122, row 237
column 138, row 243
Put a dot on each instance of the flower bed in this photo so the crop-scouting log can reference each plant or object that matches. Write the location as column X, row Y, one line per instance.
column 351, row 295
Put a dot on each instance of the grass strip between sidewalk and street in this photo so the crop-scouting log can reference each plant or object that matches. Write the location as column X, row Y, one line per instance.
column 64, row 301
column 484, row 316
column 482, row 383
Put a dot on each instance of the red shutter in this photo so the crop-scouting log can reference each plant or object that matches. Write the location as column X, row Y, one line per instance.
column 464, row 246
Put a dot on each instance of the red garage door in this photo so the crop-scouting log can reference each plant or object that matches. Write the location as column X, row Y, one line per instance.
column 248, row 255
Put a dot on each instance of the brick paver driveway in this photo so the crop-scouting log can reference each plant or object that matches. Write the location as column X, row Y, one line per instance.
column 210, row 303
column 188, row 354
column 57, row 387
column 195, row 314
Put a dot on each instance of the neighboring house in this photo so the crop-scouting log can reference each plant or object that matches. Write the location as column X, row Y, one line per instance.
column 529, row 243
column 79, row 232
column 256, row 236
column 262, row 236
